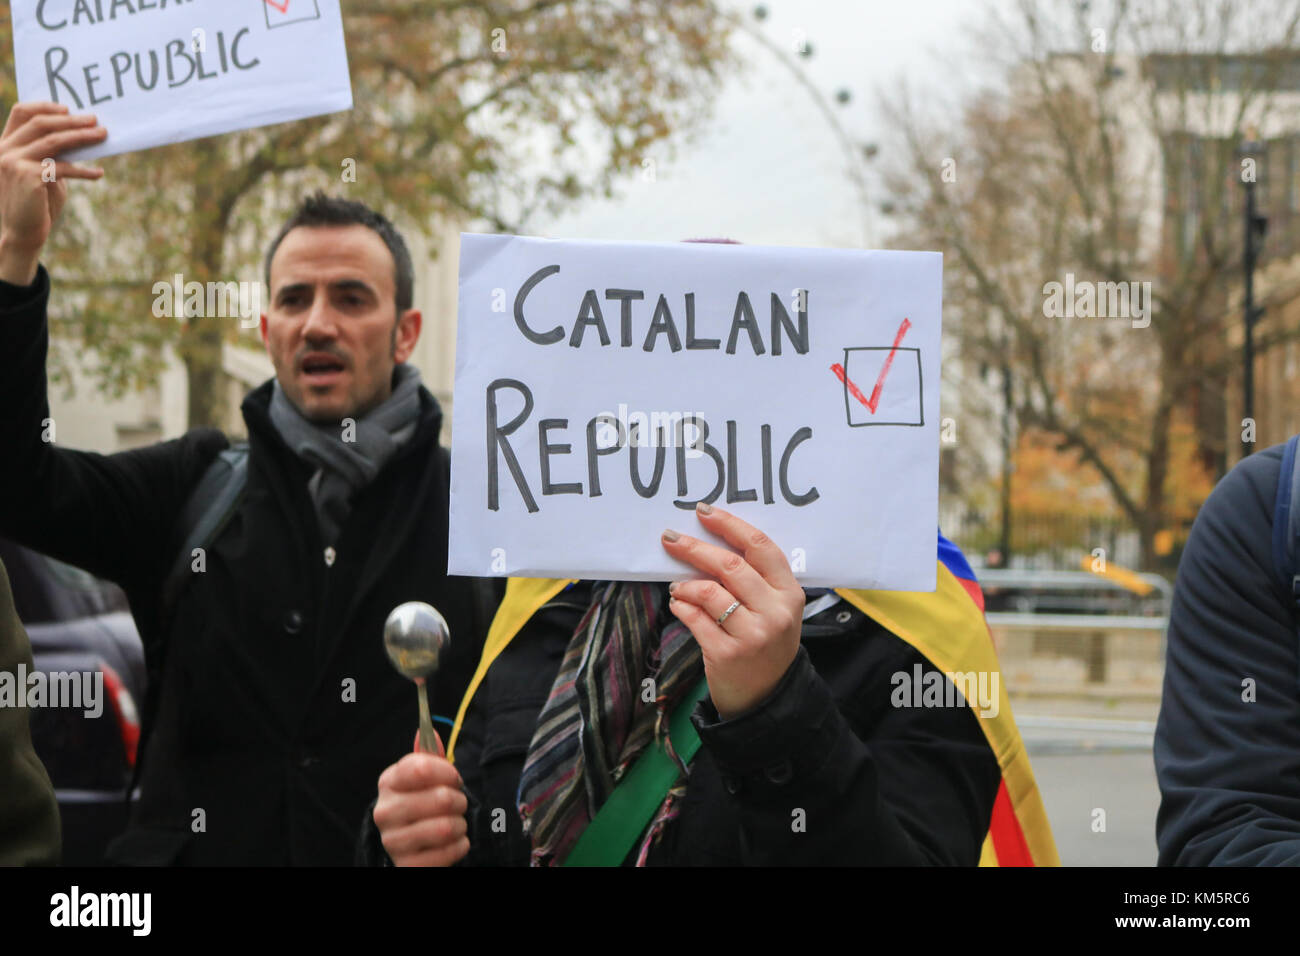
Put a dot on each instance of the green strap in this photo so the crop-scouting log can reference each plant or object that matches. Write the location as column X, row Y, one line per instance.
column 611, row 834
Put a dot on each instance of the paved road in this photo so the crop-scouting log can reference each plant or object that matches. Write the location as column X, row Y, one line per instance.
column 1087, row 764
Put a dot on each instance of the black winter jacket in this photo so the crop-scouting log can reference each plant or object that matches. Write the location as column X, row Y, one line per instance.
column 877, row 784
column 1227, row 747
column 277, row 708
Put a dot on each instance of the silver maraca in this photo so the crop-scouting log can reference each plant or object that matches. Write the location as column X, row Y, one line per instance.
column 415, row 635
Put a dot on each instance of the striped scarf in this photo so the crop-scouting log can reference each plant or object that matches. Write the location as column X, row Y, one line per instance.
column 627, row 665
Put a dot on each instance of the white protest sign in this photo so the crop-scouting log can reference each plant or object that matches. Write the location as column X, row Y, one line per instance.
column 166, row 71
column 582, row 369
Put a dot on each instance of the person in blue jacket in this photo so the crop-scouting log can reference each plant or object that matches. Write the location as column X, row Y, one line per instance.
column 1227, row 746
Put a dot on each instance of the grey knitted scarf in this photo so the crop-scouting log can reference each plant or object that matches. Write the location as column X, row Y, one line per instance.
column 348, row 460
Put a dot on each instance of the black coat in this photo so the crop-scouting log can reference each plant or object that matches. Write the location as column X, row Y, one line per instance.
column 876, row 784
column 277, row 708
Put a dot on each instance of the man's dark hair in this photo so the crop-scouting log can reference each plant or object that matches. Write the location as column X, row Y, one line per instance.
column 319, row 209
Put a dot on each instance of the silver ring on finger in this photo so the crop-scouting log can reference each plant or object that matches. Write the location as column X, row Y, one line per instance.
column 728, row 612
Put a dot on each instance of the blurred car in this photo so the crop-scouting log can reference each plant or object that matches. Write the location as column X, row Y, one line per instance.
column 1120, row 593
column 80, row 625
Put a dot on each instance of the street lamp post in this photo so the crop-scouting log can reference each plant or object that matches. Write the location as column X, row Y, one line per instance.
column 1255, row 227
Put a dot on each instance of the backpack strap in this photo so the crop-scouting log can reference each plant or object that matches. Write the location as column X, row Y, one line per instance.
column 206, row 512
column 1286, row 521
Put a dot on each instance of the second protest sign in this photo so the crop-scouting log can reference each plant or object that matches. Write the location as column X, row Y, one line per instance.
column 603, row 388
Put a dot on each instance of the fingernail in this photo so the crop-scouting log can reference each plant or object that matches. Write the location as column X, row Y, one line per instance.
column 672, row 588
column 704, row 508
column 671, row 535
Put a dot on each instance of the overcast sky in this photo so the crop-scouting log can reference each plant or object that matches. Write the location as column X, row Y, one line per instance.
column 767, row 168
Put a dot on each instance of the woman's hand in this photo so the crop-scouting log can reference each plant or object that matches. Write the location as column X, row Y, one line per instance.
column 747, row 654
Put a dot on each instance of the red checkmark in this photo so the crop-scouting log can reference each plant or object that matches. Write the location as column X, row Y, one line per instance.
column 874, row 400
column 282, row 7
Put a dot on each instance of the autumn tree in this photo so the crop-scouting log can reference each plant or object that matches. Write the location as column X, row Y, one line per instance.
column 1101, row 152
column 488, row 111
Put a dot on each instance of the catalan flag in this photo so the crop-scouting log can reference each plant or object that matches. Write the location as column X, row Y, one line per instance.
column 947, row 625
